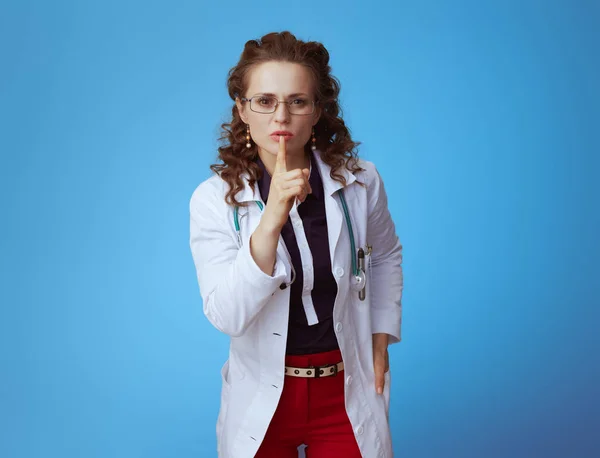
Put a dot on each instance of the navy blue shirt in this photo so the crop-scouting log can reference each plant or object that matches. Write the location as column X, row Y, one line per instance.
column 303, row 338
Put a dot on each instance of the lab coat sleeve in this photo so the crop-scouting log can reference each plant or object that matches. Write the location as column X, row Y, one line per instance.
column 232, row 286
column 386, row 263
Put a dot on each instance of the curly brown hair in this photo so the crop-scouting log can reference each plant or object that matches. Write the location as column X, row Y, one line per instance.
column 333, row 137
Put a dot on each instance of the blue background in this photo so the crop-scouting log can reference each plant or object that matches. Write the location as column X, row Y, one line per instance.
column 483, row 118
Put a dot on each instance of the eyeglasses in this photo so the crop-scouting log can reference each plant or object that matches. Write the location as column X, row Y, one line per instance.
column 268, row 104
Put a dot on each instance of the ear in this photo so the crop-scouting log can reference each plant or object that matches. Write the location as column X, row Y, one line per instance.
column 241, row 109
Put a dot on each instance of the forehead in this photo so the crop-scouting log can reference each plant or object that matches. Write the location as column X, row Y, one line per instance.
column 280, row 78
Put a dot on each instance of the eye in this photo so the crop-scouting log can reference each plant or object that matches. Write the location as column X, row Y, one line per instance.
column 266, row 101
column 299, row 102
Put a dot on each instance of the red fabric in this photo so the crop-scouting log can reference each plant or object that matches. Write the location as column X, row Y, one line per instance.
column 311, row 411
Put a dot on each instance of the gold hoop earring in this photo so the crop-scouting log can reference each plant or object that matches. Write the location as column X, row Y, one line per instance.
column 314, row 141
column 248, row 144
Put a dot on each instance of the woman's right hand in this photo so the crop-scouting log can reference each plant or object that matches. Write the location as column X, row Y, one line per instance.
column 286, row 186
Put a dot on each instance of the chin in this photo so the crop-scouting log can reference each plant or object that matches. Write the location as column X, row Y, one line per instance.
column 270, row 148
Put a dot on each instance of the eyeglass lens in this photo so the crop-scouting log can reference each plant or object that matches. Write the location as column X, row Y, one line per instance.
column 268, row 104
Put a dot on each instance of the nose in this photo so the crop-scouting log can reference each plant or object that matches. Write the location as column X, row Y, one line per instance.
column 282, row 113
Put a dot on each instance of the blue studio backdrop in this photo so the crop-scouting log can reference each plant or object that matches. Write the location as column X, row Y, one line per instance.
column 483, row 118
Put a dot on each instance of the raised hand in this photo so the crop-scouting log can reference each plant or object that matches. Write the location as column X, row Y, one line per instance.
column 286, row 186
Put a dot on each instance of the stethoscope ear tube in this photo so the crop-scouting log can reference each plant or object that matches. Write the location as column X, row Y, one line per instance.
column 350, row 231
column 236, row 218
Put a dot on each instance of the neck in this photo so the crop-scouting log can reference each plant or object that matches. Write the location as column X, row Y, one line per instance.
column 294, row 160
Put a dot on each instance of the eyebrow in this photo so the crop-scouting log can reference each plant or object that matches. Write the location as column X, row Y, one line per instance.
column 269, row 94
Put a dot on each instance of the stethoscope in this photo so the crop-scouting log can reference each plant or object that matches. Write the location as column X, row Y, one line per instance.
column 359, row 280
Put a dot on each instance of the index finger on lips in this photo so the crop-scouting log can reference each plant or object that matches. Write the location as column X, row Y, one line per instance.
column 281, row 163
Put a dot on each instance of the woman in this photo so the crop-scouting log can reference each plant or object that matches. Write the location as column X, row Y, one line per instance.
column 298, row 261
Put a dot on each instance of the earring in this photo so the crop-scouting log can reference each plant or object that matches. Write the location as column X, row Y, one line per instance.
column 314, row 141
column 248, row 145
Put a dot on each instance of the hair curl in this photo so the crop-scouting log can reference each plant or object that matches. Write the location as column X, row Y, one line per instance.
column 332, row 136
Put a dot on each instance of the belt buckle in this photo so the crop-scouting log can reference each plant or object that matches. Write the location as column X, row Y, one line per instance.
column 315, row 370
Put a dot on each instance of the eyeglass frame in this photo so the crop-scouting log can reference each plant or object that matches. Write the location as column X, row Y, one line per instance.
column 244, row 99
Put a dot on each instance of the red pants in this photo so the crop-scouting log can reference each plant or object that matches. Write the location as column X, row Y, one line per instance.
column 311, row 411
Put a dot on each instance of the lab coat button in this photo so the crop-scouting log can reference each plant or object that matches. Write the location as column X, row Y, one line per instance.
column 349, row 380
column 359, row 430
column 338, row 327
column 339, row 272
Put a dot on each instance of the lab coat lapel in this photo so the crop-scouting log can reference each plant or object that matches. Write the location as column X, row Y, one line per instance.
column 333, row 208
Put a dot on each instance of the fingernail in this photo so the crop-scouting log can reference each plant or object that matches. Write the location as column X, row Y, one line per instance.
column 379, row 390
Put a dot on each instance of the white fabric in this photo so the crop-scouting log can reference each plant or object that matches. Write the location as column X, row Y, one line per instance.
column 308, row 271
column 245, row 303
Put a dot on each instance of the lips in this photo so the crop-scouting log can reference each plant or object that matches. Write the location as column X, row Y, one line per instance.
column 275, row 136
column 279, row 133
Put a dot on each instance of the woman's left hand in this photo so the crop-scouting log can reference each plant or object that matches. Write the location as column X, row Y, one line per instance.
column 381, row 362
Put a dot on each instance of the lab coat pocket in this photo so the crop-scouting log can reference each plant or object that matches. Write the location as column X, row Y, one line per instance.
column 225, row 389
column 386, row 392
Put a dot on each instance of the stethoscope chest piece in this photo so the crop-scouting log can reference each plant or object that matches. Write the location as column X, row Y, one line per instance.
column 358, row 281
